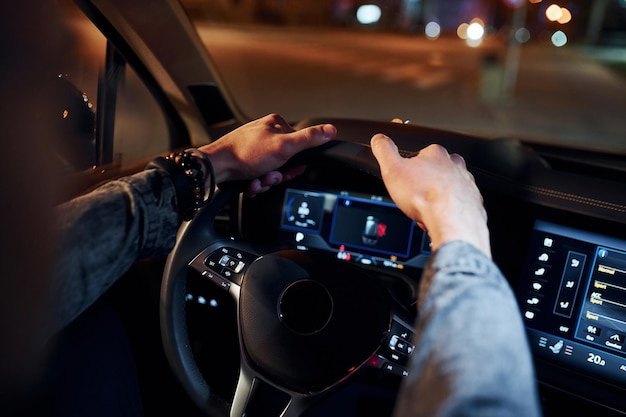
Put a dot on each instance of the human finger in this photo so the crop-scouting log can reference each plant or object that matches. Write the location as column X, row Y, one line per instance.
column 385, row 151
column 310, row 137
column 271, row 178
column 292, row 172
column 264, row 183
column 436, row 152
column 458, row 160
column 254, row 187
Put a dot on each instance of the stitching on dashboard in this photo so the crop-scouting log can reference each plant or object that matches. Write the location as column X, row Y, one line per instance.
column 578, row 199
column 561, row 195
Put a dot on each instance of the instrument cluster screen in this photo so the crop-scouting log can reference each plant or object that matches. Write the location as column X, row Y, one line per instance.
column 357, row 228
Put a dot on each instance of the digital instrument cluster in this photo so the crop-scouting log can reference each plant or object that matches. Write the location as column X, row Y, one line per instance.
column 359, row 228
column 572, row 296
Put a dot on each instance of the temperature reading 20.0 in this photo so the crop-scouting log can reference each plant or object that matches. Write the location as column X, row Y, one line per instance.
column 596, row 359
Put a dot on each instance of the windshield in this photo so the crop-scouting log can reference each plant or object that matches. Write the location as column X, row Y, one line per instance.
column 544, row 71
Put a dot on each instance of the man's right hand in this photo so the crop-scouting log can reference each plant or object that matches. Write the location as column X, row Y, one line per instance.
column 435, row 189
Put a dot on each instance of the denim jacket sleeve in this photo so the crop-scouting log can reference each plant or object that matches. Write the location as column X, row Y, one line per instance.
column 471, row 354
column 102, row 233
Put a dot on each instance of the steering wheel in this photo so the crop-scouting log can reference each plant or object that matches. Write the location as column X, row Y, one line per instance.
column 306, row 323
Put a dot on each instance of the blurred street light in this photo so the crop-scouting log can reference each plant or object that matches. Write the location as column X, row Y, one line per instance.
column 432, row 30
column 554, row 12
column 475, row 31
column 368, row 14
column 566, row 16
column 559, row 39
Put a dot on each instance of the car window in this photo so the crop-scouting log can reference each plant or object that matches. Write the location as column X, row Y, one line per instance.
column 546, row 71
column 138, row 124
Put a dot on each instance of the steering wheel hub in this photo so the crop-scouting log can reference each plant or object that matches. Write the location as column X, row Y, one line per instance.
column 307, row 324
column 305, row 307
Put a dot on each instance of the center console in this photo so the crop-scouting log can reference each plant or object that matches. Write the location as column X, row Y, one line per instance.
column 572, row 296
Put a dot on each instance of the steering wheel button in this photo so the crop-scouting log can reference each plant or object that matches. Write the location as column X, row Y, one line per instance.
column 395, row 369
column 224, row 260
column 239, row 267
column 400, row 345
column 403, row 346
column 219, row 281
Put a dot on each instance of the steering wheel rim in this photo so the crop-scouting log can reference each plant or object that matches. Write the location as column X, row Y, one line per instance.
column 190, row 241
column 195, row 240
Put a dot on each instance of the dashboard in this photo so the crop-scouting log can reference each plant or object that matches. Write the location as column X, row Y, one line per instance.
column 558, row 234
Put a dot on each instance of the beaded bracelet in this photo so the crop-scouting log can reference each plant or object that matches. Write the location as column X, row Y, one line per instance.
column 208, row 166
column 188, row 176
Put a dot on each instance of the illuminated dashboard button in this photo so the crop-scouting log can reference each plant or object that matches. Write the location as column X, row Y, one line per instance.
column 543, row 342
column 533, row 301
column 216, row 279
column 594, row 330
column 400, row 345
column 395, row 369
column 615, row 341
column 569, row 350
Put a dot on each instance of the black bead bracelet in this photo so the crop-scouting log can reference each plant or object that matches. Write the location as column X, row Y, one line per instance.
column 189, row 177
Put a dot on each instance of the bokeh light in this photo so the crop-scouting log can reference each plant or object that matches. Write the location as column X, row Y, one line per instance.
column 566, row 16
column 461, row 31
column 522, row 35
column 475, row 31
column 559, row 38
column 368, row 14
column 432, row 30
column 554, row 12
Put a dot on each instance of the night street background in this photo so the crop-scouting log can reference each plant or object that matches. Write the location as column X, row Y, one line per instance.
column 562, row 94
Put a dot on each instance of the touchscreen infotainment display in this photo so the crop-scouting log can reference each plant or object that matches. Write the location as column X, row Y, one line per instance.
column 573, row 300
column 356, row 227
